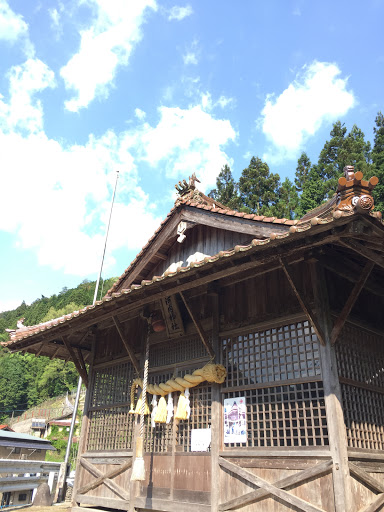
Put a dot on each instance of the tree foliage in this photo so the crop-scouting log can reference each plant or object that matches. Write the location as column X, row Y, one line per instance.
column 226, row 191
column 258, row 188
column 261, row 191
column 26, row 380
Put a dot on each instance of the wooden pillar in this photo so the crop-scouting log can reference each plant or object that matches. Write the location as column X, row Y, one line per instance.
column 216, row 410
column 332, row 392
column 84, row 423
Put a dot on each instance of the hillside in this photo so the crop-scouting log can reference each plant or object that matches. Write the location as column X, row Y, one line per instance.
column 26, row 380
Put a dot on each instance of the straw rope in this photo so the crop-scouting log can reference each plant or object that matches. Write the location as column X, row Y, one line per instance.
column 210, row 373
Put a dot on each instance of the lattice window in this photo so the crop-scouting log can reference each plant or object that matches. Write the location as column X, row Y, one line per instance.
column 360, row 360
column 200, row 400
column 291, row 415
column 285, row 353
column 110, row 429
column 110, row 425
column 364, row 417
column 178, row 351
column 112, row 385
column 360, row 356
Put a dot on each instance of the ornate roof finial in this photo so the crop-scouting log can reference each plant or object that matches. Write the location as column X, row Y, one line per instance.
column 192, row 181
column 349, row 172
column 354, row 193
column 183, row 187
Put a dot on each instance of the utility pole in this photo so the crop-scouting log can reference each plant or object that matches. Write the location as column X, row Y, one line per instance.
column 64, row 468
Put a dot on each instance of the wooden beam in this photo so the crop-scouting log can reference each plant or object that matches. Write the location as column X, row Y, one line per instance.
column 285, row 496
column 303, row 303
column 82, row 371
column 362, row 250
column 332, row 396
column 257, row 229
column 110, row 474
column 216, row 404
column 337, row 263
column 375, row 505
column 366, row 478
column 175, row 285
column 296, row 479
column 199, row 328
column 55, row 352
column 127, row 344
column 340, row 321
column 106, row 481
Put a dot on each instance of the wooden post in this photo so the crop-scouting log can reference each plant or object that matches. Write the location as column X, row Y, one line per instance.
column 84, row 426
column 216, row 413
column 332, row 395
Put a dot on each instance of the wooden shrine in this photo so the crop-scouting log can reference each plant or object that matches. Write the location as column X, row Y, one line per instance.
column 293, row 311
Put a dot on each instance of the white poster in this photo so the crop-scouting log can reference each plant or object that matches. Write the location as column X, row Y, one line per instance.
column 200, row 439
column 235, row 420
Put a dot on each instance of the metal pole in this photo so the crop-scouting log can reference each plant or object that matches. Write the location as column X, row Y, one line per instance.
column 61, row 482
column 106, row 238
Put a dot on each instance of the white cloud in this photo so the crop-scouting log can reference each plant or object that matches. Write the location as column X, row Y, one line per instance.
column 58, row 196
column 13, row 27
column 316, row 96
column 24, row 111
column 224, row 101
column 140, row 114
column 104, row 46
column 179, row 13
column 190, row 58
column 55, row 17
column 188, row 140
column 192, row 54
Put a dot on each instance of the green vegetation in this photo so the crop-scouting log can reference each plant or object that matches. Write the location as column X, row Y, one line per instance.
column 26, row 380
column 260, row 191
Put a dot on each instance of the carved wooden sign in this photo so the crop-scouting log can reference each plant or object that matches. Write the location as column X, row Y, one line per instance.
column 171, row 313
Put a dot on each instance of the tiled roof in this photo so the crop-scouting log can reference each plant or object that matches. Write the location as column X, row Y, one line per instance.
column 202, row 202
column 295, row 227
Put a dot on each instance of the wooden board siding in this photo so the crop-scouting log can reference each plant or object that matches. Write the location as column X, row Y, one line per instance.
column 317, row 491
column 262, row 298
column 202, row 239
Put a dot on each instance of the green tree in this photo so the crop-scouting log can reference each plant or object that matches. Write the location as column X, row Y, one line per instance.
column 378, row 161
column 340, row 150
column 226, row 191
column 287, row 202
column 302, row 170
column 258, row 188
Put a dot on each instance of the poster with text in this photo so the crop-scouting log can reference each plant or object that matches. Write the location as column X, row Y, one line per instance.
column 235, row 420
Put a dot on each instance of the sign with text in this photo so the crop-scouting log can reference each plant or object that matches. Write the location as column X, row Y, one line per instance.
column 200, row 439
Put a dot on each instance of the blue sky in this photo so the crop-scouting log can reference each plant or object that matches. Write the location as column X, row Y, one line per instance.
column 157, row 90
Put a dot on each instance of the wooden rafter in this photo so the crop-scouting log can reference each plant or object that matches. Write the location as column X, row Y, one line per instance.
column 127, row 344
column 340, row 321
column 82, row 370
column 361, row 249
column 106, row 478
column 296, row 479
column 337, row 263
column 200, row 330
column 283, row 495
column 303, row 303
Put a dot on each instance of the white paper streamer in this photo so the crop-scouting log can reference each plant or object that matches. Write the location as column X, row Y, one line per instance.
column 186, row 394
column 154, row 410
column 169, row 408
